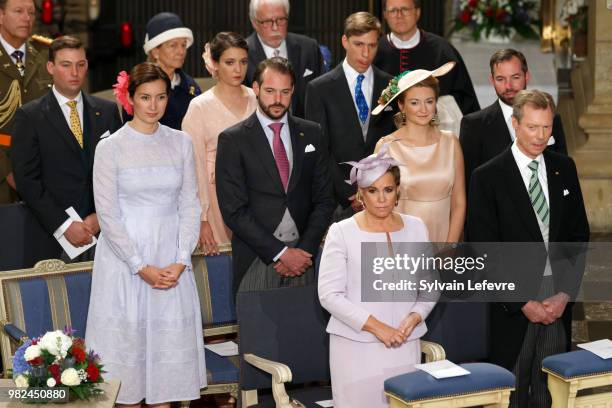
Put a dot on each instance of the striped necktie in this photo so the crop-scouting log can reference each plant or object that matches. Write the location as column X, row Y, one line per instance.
column 536, row 195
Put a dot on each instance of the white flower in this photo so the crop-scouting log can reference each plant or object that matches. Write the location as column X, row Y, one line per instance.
column 70, row 377
column 56, row 343
column 32, row 352
column 51, row 382
column 21, row 381
column 82, row 374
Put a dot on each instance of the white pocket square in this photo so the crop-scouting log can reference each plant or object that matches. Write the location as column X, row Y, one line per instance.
column 307, row 72
column 565, row 192
column 105, row 134
column 388, row 108
column 309, row 148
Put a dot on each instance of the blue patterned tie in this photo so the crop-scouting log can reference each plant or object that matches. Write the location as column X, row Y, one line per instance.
column 18, row 55
column 360, row 99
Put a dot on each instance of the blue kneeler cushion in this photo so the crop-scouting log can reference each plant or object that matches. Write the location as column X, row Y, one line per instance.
column 579, row 363
column 419, row 385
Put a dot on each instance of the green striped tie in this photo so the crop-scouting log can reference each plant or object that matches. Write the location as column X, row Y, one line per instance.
column 536, row 195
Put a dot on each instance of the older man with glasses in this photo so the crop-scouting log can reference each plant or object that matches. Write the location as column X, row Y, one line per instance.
column 270, row 19
column 407, row 48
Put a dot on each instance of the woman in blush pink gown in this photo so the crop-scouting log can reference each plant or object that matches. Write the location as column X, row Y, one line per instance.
column 222, row 106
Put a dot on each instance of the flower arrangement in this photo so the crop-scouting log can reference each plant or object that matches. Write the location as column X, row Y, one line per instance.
column 120, row 90
column 391, row 89
column 574, row 15
column 501, row 18
column 58, row 359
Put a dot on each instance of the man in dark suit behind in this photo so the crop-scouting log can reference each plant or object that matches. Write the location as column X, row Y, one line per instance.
column 270, row 19
column 486, row 133
column 54, row 141
column 529, row 194
column 341, row 101
column 273, row 187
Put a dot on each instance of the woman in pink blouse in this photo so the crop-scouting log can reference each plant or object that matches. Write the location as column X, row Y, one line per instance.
column 222, row 106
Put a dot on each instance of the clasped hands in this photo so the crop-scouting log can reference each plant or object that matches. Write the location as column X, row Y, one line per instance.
column 293, row 262
column 81, row 233
column 162, row 278
column 390, row 336
column 546, row 311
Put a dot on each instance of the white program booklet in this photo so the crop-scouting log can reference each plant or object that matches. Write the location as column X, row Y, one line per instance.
column 70, row 249
column 325, row 403
column 224, row 349
column 442, row 369
column 601, row 348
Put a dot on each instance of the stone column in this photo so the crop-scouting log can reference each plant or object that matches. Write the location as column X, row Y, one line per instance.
column 592, row 88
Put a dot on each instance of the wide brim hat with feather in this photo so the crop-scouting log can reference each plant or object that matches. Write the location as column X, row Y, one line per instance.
column 164, row 27
column 406, row 80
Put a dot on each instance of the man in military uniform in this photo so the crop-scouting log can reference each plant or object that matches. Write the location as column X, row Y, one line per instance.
column 23, row 76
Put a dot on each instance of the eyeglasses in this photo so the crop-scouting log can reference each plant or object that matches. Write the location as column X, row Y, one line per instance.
column 280, row 22
column 404, row 11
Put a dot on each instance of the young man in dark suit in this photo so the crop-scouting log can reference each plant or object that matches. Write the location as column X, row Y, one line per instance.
column 273, row 187
column 270, row 19
column 486, row 133
column 341, row 101
column 54, row 141
column 530, row 194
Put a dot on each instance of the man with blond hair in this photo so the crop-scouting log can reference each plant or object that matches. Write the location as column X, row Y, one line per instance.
column 270, row 20
column 531, row 194
column 341, row 101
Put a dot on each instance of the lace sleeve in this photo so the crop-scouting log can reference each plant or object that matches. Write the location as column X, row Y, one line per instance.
column 105, row 175
column 189, row 206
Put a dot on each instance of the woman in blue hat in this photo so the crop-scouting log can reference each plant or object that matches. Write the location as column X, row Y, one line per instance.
column 166, row 44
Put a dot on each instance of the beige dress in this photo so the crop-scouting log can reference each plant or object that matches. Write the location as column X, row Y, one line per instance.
column 426, row 181
column 205, row 119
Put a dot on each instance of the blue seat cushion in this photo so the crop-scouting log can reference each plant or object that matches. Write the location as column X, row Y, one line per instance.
column 219, row 369
column 419, row 385
column 577, row 364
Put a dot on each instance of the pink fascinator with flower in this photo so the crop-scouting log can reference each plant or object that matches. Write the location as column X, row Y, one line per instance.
column 120, row 89
column 366, row 171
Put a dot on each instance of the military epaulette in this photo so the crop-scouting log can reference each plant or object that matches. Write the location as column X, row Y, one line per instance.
column 42, row 40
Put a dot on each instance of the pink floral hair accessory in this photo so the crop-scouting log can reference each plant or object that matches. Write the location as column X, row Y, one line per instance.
column 120, row 89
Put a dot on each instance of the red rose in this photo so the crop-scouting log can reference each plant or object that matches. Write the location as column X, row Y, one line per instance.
column 93, row 372
column 501, row 13
column 78, row 354
column 489, row 12
column 56, row 372
column 465, row 16
column 36, row 361
column 472, row 3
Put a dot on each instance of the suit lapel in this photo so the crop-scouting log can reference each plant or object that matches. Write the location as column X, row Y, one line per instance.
column 502, row 134
column 517, row 190
column 258, row 51
column 8, row 67
column 294, row 55
column 346, row 105
column 555, row 197
column 261, row 147
column 92, row 115
column 31, row 66
column 297, row 145
column 56, row 117
column 380, row 83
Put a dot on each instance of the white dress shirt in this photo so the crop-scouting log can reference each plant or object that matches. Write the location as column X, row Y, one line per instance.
column 403, row 44
column 522, row 161
column 10, row 49
column 269, row 51
column 62, row 101
column 287, row 230
column 367, row 87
